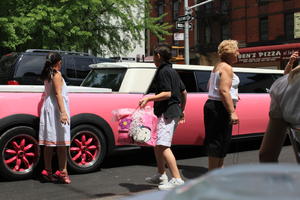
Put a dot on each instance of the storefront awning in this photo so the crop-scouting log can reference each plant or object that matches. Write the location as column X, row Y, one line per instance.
column 267, row 53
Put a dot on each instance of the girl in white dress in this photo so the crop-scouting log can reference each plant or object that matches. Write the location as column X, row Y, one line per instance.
column 55, row 119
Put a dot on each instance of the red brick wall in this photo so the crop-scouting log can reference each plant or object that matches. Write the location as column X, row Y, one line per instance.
column 244, row 16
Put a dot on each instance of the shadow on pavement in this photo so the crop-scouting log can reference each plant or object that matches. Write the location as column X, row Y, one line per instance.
column 137, row 187
column 191, row 172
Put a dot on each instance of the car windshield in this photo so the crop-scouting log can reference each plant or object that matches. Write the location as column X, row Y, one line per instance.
column 105, row 78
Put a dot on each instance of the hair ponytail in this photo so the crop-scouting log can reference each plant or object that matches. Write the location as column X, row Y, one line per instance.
column 48, row 71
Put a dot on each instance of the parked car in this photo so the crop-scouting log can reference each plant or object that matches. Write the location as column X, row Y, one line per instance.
column 238, row 182
column 93, row 133
column 25, row 68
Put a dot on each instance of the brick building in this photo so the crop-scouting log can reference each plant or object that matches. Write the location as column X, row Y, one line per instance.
column 251, row 22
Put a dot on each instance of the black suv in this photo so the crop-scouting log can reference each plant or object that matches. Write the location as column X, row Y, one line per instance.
column 25, row 68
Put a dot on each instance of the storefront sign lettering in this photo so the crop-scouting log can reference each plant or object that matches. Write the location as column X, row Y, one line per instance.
column 265, row 56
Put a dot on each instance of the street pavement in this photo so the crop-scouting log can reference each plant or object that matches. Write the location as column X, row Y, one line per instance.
column 122, row 175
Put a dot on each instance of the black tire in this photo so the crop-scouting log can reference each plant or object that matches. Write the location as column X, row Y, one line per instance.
column 88, row 149
column 19, row 153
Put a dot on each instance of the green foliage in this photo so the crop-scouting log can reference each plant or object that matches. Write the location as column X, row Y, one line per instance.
column 114, row 26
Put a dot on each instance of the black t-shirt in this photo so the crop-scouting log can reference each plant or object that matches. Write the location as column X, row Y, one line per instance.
column 165, row 80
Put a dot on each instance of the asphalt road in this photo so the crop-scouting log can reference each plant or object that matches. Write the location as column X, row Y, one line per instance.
column 123, row 174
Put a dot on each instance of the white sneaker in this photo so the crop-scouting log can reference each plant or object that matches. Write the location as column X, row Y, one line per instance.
column 171, row 184
column 157, row 179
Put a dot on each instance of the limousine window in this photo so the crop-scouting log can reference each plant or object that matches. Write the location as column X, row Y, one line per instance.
column 255, row 82
column 188, row 78
column 105, row 78
column 202, row 80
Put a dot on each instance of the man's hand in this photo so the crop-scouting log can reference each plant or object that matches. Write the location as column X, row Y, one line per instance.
column 143, row 102
column 182, row 118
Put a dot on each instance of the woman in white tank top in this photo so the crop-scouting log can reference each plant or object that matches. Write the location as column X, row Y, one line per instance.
column 219, row 109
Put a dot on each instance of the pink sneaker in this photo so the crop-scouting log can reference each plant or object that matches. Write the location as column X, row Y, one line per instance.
column 62, row 177
column 48, row 176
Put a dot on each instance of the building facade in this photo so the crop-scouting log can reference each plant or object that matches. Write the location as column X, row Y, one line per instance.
column 251, row 22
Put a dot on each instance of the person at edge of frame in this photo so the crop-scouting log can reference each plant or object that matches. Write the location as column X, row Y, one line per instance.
column 284, row 111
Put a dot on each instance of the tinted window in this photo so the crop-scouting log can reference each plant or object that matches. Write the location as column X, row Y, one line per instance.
column 6, row 62
column 202, row 80
column 82, row 66
column 188, row 78
column 255, row 82
column 100, row 60
column 68, row 64
column 105, row 78
column 30, row 65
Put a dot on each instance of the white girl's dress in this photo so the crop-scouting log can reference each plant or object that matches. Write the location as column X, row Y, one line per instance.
column 52, row 132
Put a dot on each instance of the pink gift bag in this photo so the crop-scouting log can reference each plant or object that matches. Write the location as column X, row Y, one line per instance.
column 143, row 127
column 136, row 126
column 124, row 119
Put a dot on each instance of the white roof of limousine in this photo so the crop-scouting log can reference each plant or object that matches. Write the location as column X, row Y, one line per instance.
column 181, row 66
column 40, row 88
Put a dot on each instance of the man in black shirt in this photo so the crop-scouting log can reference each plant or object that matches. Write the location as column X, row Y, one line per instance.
column 169, row 103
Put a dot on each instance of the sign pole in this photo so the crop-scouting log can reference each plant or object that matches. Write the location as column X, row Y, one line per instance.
column 187, row 11
column 186, row 35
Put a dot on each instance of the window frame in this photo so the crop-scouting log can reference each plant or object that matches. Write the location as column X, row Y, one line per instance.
column 263, row 29
column 288, row 30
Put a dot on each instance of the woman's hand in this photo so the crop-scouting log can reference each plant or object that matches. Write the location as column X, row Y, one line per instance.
column 234, row 119
column 64, row 119
column 293, row 58
column 289, row 66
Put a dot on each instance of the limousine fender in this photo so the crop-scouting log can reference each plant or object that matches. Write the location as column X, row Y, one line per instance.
column 92, row 140
column 19, row 149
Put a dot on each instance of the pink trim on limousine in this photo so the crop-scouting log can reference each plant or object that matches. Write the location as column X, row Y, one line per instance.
column 252, row 110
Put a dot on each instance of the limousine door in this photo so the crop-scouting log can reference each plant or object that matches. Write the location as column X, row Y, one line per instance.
column 192, row 131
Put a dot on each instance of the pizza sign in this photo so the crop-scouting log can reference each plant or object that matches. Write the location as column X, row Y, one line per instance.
column 264, row 56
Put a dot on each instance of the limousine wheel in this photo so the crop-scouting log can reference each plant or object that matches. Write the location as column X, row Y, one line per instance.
column 20, row 153
column 87, row 150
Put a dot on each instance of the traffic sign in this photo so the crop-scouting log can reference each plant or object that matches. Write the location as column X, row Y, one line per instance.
column 180, row 25
column 185, row 18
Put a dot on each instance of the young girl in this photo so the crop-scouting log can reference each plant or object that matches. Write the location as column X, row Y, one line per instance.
column 55, row 119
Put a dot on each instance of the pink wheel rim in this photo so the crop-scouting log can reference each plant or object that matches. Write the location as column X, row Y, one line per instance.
column 21, row 153
column 85, row 149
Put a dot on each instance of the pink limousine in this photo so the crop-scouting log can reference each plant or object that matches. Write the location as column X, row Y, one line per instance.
column 94, row 133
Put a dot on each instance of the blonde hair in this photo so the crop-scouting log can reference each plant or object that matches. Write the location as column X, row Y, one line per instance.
column 227, row 47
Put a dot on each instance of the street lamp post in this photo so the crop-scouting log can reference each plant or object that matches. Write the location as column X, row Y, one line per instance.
column 187, row 11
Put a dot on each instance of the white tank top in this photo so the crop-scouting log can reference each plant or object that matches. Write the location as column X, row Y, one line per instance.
column 214, row 93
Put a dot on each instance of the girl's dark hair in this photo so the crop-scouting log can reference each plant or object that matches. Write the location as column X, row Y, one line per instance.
column 164, row 51
column 48, row 72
